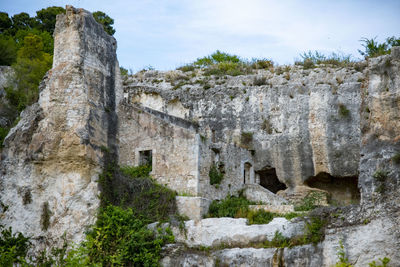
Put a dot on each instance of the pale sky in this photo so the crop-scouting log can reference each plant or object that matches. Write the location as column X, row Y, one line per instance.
column 167, row 34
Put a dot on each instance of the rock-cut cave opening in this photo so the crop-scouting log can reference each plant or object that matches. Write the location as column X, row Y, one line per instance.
column 342, row 190
column 269, row 180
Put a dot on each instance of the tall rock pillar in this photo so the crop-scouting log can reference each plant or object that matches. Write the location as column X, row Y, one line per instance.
column 52, row 158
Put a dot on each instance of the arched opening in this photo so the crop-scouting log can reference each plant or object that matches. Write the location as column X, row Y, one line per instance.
column 269, row 180
column 342, row 190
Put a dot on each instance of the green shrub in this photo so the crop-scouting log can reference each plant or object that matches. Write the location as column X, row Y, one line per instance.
column 3, row 133
column 142, row 171
column 215, row 175
column 384, row 263
column 290, row 215
column 123, row 71
column 310, row 202
column 227, row 68
column 231, row 206
column 343, row 260
column 13, row 247
column 265, row 217
column 149, row 200
column 310, row 59
column 374, row 49
column 258, row 81
column 279, row 241
column 307, row 63
column 215, row 58
column 121, row 238
column 314, row 231
column 260, row 217
column 380, row 175
column 261, row 64
column 343, row 111
column 186, row 68
column 395, row 158
column 266, row 126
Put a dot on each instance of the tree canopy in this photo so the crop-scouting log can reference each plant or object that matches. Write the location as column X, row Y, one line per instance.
column 105, row 20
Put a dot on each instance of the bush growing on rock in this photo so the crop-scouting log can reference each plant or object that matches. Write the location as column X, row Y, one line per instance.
column 231, row 206
column 310, row 59
column 374, row 49
column 215, row 175
column 13, row 247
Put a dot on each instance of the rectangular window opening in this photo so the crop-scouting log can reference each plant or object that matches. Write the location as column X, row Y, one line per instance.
column 145, row 157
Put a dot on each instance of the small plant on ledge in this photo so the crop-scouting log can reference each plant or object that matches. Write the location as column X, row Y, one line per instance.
column 343, row 111
column 215, row 175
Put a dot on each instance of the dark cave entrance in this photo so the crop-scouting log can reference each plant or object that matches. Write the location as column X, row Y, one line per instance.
column 342, row 190
column 269, row 180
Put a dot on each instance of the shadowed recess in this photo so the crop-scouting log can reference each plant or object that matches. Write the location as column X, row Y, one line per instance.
column 269, row 180
column 342, row 190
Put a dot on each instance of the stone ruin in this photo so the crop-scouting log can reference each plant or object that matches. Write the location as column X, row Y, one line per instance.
column 307, row 130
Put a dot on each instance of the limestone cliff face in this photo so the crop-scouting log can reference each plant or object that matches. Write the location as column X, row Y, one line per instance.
column 317, row 128
column 333, row 129
column 302, row 122
column 51, row 159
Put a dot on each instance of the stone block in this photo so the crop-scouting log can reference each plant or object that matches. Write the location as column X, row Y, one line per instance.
column 193, row 207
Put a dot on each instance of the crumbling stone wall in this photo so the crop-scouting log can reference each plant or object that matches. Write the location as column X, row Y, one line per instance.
column 173, row 144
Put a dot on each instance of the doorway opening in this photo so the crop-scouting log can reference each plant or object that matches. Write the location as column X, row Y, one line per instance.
column 247, row 168
column 269, row 180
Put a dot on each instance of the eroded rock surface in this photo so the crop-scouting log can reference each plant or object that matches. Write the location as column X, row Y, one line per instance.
column 213, row 232
column 52, row 158
column 368, row 231
column 294, row 125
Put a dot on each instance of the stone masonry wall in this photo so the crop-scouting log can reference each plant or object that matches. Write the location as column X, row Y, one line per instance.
column 174, row 144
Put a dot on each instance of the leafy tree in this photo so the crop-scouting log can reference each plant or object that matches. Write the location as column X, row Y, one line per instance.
column 5, row 22
column 105, row 20
column 8, row 51
column 22, row 21
column 47, row 18
column 47, row 39
column 32, row 63
column 33, row 46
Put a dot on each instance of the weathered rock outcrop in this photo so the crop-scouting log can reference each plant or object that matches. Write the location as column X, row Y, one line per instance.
column 214, row 232
column 299, row 123
column 290, row 131
column 7, row 113
column 52, row 158
column 369, row 230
